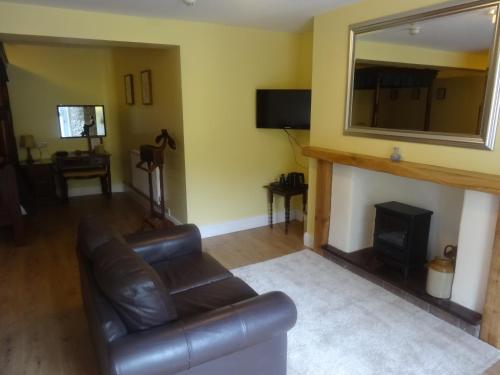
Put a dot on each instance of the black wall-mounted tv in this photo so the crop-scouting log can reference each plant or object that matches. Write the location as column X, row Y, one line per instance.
column 284, row 109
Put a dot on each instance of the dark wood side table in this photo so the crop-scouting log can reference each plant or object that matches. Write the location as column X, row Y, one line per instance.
column 40, row 180
column 287, row 192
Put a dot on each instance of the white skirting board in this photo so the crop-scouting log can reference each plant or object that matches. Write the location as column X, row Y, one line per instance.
column 117, row 187
column 308, row 240
column 211, row 230
column 217, row 229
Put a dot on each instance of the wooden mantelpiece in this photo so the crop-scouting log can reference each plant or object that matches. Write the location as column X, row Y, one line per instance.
column 489, row 183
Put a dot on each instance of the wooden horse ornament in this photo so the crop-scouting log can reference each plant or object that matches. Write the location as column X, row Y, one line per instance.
column 152, row 157
column 86, row 133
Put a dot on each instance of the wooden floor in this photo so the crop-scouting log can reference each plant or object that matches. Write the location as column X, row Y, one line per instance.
column 255, row 245
column 43, row 330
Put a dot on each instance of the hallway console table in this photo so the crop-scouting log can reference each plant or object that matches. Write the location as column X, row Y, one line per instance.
column 82, row 165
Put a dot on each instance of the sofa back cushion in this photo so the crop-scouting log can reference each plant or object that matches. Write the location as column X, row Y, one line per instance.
column 133, row 286
column 93, row 233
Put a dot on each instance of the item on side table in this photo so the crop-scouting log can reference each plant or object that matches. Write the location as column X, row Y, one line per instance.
column 295, row 179
column 27, row 142
column 282, row 179
column 156, row 303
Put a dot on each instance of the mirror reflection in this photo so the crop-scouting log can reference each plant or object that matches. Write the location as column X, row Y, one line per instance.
column 81, row 121
column 418, row 98
column 429, row 75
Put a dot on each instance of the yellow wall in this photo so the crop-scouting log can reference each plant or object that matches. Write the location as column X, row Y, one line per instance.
column 227, row 158
column 403, row 112
column 140, row 124
column 459, row 112
column 305, row 77
column 329, row 90
column 42, row 76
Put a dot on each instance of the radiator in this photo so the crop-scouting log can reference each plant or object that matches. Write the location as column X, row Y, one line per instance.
column 140, row 178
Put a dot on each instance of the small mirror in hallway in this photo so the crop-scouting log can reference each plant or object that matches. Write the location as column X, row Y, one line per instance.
column 77, row 121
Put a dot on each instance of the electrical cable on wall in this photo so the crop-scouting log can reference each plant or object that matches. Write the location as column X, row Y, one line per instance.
column 290, row 138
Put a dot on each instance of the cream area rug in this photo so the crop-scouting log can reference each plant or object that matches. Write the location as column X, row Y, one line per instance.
column 347, row 325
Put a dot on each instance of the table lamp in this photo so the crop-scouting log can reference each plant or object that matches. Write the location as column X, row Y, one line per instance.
column 27, row 142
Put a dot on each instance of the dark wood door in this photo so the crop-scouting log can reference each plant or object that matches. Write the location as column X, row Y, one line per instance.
column 8, row 149
column 10, row 208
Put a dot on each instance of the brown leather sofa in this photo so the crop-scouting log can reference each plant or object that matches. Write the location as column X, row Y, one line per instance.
column 156, row 304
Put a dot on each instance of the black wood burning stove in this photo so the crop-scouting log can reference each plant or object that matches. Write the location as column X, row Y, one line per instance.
column 401, row 235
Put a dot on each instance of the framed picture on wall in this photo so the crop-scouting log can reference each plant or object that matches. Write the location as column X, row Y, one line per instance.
column 441, row 93
column 147, row 92
column 129, row 89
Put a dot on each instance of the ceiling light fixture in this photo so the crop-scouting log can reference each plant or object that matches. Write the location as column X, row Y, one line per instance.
column 414, row 30
column 493, row 14
column 189, row 2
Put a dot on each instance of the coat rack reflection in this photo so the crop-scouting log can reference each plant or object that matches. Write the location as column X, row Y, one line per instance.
column 152, row 157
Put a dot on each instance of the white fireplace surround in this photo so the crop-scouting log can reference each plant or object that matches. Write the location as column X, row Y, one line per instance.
column 461, row 217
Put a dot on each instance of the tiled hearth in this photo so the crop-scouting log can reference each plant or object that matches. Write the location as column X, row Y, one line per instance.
column 364, row 264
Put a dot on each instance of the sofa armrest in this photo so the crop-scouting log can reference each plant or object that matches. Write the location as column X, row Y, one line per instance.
column 165, row 244
column 185, row 344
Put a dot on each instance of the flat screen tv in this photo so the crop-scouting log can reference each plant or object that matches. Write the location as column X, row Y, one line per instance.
column 283, row 109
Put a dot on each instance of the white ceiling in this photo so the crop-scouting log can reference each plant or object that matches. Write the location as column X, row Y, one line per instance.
column 284, row 15
column 470, row 31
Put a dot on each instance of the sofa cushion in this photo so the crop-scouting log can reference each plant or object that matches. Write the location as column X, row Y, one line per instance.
column 93, row 233
column 211, row 296
column 134, row 288
column 105, row 322
column 190, row 271
column 165, row 244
